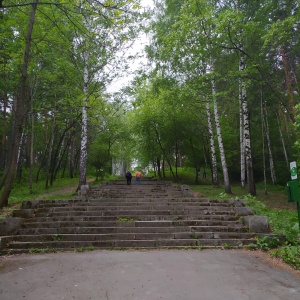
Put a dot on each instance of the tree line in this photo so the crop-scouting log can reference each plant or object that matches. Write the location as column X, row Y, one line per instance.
column 220, row 89
column 56, row 60
column 223, row 89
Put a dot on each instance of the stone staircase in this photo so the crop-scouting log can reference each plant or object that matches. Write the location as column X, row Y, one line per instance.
column 117, row 216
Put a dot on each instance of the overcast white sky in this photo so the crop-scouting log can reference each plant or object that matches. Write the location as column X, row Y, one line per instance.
column 136, row 49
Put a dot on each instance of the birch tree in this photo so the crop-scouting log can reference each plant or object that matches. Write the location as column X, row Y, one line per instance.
column 241, row 123
column 105, row 35
column 215, row 179
column 220, row 140
column 247, row 139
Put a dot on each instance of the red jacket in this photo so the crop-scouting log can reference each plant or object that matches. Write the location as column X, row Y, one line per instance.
column 138, row 174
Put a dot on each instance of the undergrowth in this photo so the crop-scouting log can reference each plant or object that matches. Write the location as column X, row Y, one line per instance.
column 283, row 221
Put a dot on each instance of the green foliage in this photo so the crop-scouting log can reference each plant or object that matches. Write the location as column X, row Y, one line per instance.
column 223, row 196
column 56, row 237
column 281, row 221
column 289, row 254
column 42, row 250
column 125, row 219
column 84, row 249
column 266, row 243
column 194, row 235
column 22, row 192
column 227, row 246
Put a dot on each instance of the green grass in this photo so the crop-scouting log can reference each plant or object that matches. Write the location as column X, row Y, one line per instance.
column 282, row 216
column 22, row 192
column 125, row 219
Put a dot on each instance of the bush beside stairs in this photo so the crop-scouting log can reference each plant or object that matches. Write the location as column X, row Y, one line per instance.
column 117, row 216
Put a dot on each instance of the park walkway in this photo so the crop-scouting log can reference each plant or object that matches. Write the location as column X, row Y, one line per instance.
column 171, row 247
column 119, row 216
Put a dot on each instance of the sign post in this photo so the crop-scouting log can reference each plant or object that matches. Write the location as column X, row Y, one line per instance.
column 293, row 190
column 293, row 169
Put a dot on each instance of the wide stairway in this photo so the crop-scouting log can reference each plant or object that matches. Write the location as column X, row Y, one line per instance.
column 117, row 216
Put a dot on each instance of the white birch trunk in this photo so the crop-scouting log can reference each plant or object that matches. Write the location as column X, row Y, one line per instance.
column 84, row 129
column 212, row 147
column 242, row 144
column 220, row 140
column 267, row 132
column 247, row 140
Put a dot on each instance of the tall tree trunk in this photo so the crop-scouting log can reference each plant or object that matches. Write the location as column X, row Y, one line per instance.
column 220, row 141
column 247, row 139
column 267, row 133
column 288, row 82
column 242, row 142
column 84, row 128
column 21, row 157
column 163, row 151
column 20, row 113
column 214, row 167
column 176, row 161
column 158, row 168
column 283, row 143
column 60, row 150
column 71, row 158
column 31, row 142
column 3, row 133
column 154, row 167
column 50, row 154
column 263, row 141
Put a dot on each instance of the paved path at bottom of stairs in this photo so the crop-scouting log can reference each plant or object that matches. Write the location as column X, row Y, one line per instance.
column 147, row 275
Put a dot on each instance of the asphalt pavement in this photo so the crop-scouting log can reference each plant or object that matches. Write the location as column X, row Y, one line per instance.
column 147, row 275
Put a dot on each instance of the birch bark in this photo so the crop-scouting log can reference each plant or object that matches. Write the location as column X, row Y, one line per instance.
column 247, row 139
column 242, row 143
column 215, row 179
column 220, row 140
column 84, row 129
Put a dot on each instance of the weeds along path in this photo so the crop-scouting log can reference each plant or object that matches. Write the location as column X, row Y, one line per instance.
column 65, row 190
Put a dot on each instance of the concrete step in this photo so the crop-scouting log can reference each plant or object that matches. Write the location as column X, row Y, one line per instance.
column 136, row 212
column 45, row 246
column 135, row 206
column 131, row 236
column 129, row 217
column 98, row 230
column 114, row 204
column 120, row 216
column 146, row 223
column 129, row 201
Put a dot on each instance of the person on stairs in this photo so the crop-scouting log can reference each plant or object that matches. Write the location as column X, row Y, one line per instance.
column 128, row 177
column 138, row 177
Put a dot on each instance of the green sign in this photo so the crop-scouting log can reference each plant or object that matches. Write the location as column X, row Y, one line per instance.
column 293, row 169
